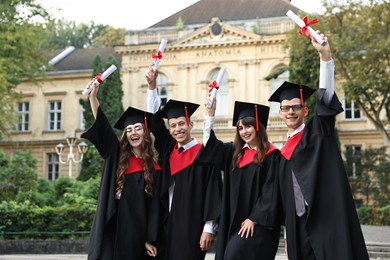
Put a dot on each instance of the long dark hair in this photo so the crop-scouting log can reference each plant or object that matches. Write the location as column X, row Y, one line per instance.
column 148, row 165
column 262, row 143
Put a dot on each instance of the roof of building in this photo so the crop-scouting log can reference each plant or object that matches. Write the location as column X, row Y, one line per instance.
column 228, row 10
column 79, row 59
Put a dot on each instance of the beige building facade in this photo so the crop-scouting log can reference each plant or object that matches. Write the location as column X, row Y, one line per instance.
column 249, row 51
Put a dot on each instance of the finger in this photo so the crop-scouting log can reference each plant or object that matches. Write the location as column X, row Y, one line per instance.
column 150, row 253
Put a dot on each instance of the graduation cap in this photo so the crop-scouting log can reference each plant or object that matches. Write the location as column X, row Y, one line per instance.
column 245, row 109
column 288, row 91
column 175, row 109
column 132, row 116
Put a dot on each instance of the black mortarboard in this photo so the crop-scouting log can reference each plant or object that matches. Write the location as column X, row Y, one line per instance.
column 288, row 91
column 257, row 111
column 175, row 109
column 132, row 116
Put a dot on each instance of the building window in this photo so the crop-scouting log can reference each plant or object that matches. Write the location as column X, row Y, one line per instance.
column 162, row 83
column 352, row 111
column 54, row 115
column 275, row 84
column 222, row 94
column 353, row 160
column 52, row 166
column 82, row 119
column 23, row 111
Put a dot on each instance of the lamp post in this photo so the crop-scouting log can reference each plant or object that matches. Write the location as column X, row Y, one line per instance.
column 82, row 147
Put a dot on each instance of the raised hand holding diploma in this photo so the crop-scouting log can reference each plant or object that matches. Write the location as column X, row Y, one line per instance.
column 99, row 79
column 305, row 26
column 157, row 57
column 214, row 86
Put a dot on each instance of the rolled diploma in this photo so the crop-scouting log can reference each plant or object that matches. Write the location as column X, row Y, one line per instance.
column 301, row 24
column 105, row 74
column 214, row 90
column 161, row 49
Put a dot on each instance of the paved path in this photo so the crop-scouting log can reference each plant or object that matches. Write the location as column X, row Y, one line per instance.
column 372, row 234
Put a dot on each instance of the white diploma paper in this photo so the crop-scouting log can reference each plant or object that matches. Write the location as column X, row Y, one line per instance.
column 214, row 90
column 161, row 49
column 301, row 24
column 105, row 74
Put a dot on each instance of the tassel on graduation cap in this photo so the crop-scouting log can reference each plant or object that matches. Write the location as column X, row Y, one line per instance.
column 186, row 111
column 146, row 124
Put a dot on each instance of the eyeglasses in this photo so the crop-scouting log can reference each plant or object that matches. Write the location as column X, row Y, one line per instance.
column 295, row 108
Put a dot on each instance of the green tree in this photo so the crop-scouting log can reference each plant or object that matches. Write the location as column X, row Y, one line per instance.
column 18, row 174
column 109, row 38
column 360, row 39
column 110, row 98
column 21, row 53
column 62, row 33
column 368, row 172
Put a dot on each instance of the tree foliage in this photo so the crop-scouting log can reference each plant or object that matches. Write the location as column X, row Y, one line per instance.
column 360, row 37
column 368, row 171
column 21, row 53
column 62, row 33
column 110, row 37
column 18, row 174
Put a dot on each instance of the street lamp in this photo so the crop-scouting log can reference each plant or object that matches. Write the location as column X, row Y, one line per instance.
column 82, row 147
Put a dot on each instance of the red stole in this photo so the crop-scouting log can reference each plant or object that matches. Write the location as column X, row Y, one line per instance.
column 180, row 161
column 135, row 165
column 249, row 155
column 289, row 147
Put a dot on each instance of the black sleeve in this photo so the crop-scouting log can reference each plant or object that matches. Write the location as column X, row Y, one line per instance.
column 101, row 135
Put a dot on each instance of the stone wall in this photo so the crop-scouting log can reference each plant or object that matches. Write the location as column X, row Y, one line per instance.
column 43, row 246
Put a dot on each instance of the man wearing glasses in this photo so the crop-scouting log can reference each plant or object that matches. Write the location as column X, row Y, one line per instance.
column 319, row 212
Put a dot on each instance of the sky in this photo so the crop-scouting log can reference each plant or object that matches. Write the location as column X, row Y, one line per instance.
column 123, row 14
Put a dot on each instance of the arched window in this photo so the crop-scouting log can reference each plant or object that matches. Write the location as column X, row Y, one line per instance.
column 274, row 106
column 222, row 108
column 162, row 83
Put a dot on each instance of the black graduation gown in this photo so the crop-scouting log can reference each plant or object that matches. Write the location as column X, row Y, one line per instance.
column 332, row 223
column 248, row 192
column 120, row 227
column 196, row 200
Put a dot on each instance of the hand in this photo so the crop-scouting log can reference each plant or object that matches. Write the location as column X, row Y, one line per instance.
column 95, row 88
column 324, row 49
column 206, row 241
column 151, row 77
column 211, row 110
column 247, row 228
column 150, row 249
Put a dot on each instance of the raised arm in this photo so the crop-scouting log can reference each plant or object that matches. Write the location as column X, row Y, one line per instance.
column 153, row 101
column 93, row 101
column 208, row 120
column 326, row 67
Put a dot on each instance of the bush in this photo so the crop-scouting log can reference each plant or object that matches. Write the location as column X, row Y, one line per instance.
column 365, row 215
column 26, row 221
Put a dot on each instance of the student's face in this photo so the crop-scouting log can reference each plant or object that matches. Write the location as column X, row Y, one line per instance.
column 293, row 119
column 247, row 133
column 135, row 135
column 179, row 129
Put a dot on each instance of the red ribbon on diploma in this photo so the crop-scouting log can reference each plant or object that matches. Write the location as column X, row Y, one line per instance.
column 158, row 56
column 213, row 85
column 99, row 77
column 304, row 30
